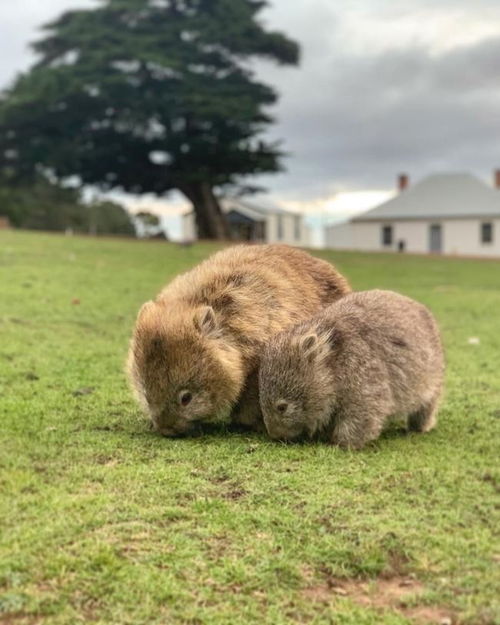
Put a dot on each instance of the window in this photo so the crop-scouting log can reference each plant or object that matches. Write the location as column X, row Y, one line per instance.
column 487, row 232
column 297, row 224
column 279, row 227
column 386, row 236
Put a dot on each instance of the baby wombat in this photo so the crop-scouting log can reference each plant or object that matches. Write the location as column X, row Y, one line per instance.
column 340, row 375
column 196, row 348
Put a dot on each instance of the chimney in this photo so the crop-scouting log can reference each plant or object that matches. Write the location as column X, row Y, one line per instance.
column 404, row 181
column 497, row 179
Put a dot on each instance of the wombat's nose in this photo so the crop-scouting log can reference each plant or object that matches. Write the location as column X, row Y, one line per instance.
column 277, row 432
column 281, row 406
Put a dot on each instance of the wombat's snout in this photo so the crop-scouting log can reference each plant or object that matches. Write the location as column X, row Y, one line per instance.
column 273, row 419
column 275, row 432
column 173, row 432
column 168, row 426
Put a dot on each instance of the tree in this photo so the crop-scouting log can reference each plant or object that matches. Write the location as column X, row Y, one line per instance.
column 148, row 96
column 42, row 206
column 47, row 206
column 149, row 225
column 109, row 218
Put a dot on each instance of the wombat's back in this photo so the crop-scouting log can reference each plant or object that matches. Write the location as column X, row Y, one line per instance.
column 257, row 290
column 398, row 332
column 253, row 267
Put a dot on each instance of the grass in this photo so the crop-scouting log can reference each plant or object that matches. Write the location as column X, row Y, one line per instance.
column 104, row 522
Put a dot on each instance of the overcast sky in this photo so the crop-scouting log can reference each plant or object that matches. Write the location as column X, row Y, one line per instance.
column 384, row 86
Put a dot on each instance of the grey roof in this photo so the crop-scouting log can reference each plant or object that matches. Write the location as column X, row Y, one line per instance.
column 256, row 213
column 438, row 197
column 231, row 203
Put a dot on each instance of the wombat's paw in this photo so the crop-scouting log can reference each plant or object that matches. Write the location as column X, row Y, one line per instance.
column 249, row 416
column 424, row 420
column 429, row 425
column 347, row 444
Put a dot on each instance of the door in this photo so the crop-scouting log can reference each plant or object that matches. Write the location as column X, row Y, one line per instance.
column 435, row 239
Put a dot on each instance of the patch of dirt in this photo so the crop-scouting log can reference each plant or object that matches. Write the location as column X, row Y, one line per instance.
column 397, row 593
column 105, row 460
column 19, row 618
column 227, row 488
column 220, row 478
column 235, row 493
column 88, row 607
column 488, row 477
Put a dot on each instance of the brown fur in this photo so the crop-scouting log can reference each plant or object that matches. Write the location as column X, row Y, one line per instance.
column 341, row 375
column 204, row 333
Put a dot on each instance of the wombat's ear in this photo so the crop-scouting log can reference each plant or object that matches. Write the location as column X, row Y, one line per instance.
column 308, row 343
column 206, row 321
column 145, row 319
column 145, row 307
column 313, row 347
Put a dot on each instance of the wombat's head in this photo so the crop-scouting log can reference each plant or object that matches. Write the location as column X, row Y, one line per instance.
column 182, row 368
column 295, row 383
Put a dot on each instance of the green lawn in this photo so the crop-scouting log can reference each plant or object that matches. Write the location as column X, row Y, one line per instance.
column 104, row 522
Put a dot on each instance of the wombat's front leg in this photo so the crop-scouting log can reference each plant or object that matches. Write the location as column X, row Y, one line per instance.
column 354, row 430
column 424, row 419
column 247, row 411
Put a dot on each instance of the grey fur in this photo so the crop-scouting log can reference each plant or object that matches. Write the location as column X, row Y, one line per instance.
column 341, row 375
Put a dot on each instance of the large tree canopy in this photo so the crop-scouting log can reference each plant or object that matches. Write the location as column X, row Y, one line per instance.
column 148, row 96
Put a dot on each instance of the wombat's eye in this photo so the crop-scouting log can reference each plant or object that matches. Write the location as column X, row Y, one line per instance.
column 281, row 406
column 185, row 398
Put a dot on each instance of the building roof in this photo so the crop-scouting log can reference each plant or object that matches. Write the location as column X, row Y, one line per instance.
column 438, row 197
column 250, row 209
column 256, row 213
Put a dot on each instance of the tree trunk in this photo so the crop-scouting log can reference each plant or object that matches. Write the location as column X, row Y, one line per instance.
column 211, row 222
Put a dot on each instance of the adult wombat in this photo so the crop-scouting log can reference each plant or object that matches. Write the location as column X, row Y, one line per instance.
column 195, row 349
column 340, row 375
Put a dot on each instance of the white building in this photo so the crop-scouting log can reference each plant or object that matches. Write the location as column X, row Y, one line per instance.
column 444, row 213
column 248, row 222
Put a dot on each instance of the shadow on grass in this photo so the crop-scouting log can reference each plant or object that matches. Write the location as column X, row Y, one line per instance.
column 217, row 432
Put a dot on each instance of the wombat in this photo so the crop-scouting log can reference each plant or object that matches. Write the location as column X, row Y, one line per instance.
column 195, row 349
column 342, row 374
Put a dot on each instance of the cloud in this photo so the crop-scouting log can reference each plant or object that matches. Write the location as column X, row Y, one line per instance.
column 20, row 25
column 383, row 87
column 421, row 94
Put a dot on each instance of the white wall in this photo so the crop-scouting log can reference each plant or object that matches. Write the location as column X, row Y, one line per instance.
column 271, row 229
column 415, row 236
column 288, row 230
column 459, row 236
column 188, row 227
column 189, row 230
column 463, row 236
column 340, row 236
column 366, row 236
